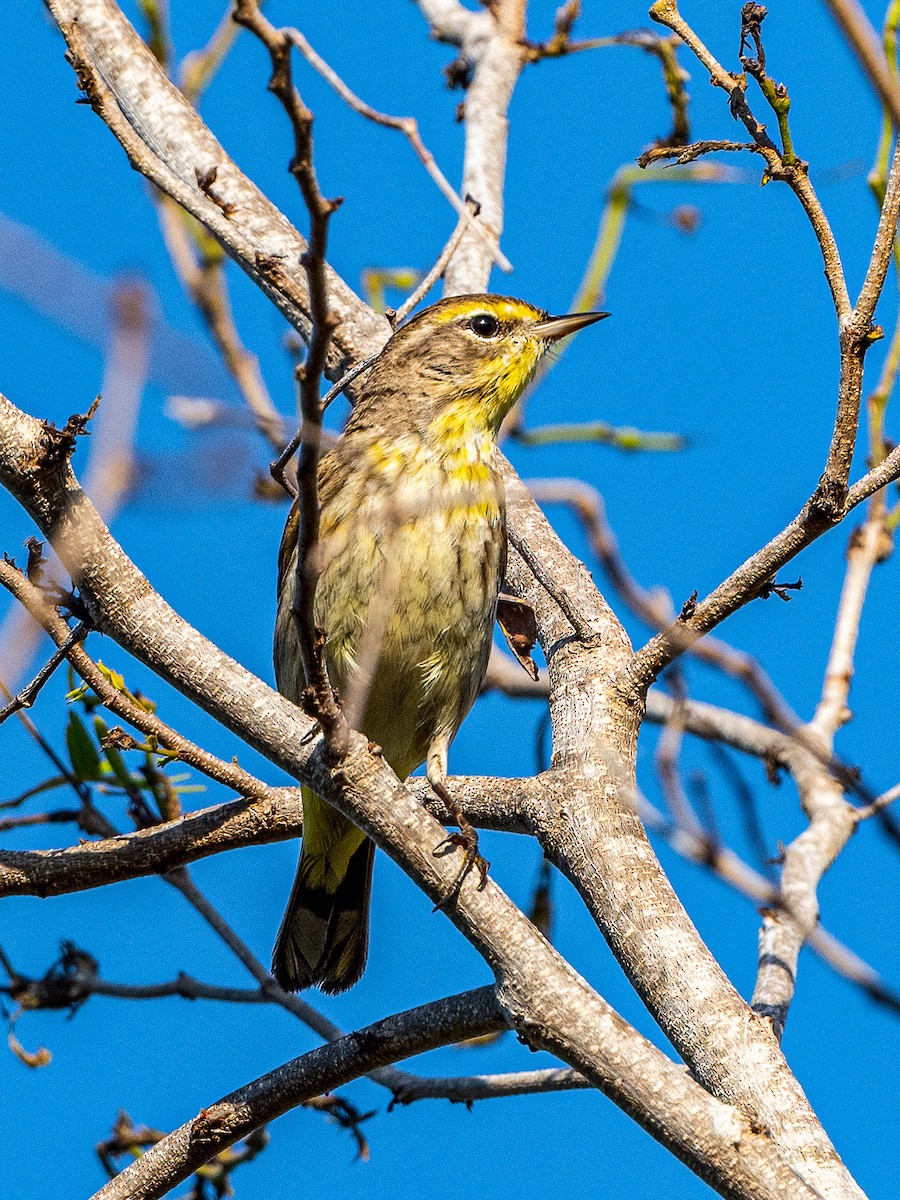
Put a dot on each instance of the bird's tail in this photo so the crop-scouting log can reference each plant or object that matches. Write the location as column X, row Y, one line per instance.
column 324, row 934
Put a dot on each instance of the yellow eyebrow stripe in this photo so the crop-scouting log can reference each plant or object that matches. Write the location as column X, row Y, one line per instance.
column 503, row 309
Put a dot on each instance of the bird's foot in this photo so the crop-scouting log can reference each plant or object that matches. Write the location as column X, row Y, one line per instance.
column 466, row 839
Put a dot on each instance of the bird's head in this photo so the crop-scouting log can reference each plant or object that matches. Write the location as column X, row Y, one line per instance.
column 468, row 357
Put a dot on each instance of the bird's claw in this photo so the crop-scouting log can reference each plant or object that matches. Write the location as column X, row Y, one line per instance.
column 466, row 839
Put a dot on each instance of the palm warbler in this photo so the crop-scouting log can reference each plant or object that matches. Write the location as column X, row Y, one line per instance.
column 412, row 553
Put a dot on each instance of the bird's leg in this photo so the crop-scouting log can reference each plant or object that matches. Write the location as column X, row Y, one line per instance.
column 467, row 837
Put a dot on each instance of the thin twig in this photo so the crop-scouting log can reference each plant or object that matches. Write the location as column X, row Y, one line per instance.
column 878, row 804
column 665, row 49
column 621, row 437
column 746, row 581
column 832, row 500
column 653, row 606
column 869, row 544
column 229, row 774
column 200, row 66
column 585, row 633
column 793, row 173
column 27, row 696
column 278, row 468
column 682, row 155
column 667, row 756
column 221, row 1124
column 409, row 127
column 309, row 374
column 200, row 267
column 831, row 819
column 388, row 1076
column 428, row 281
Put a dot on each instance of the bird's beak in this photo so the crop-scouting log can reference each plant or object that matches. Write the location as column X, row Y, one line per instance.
column 553, row 328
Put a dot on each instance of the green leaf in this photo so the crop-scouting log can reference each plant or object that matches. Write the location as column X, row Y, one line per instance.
column 83, row 754
column 117, row 680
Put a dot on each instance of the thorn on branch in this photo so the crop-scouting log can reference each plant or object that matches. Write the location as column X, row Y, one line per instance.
column 781, row 590
column 58, row 444
column 36, row 561
column 689, row 607
column 205, row 180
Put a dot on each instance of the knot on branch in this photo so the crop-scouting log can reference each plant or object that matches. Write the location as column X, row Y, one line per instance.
column 858, row 335
column 270, row 266
column 86, row 81
column 689, row 607
column 459, row 74
column 211, row 1124
column 827, row 505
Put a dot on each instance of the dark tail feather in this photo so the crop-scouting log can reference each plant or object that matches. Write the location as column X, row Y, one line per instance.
column 324, row 935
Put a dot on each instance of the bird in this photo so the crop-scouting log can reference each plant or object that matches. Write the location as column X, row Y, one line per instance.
column 411, row 556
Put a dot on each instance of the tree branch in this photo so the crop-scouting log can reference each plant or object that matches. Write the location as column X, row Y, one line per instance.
column 549, row 1004
column 576, row 1023
column 168, row 142
column 225, row 1122
column 490, row 61
column 409, row 127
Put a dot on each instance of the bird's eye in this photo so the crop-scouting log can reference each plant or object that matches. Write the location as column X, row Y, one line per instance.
column 484, row 325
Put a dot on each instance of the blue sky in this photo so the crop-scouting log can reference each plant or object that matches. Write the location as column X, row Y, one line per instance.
column 726, row 335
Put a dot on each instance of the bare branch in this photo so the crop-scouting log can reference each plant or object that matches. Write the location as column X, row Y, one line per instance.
column 745, row 583
column 869, row 544
column 855, row 323
column 168, row 142
column 466, row 1089
column 491, row 59
column 236, row 1115
column 831, row 819
column 682, row 155
column 324, row 322
column 654, row 606
column 229, row 774
column 880, row 802
column 548, row 1003
column 27, row 696
column 792, row 172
